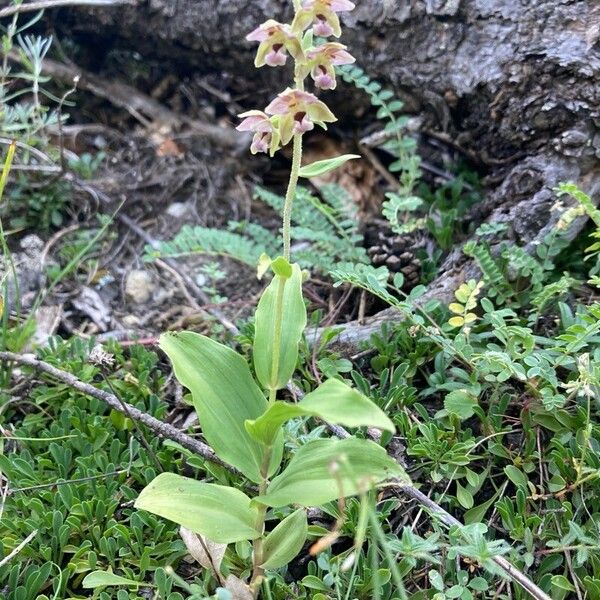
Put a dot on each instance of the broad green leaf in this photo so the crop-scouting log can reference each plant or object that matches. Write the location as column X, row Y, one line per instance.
column 323, row 166
column 222, row 514
column 337, row 402
column 97, row 579
column 266, row 427
column 285, row 541
column 224, row 395
column 333, row 401
column 323, row 470
column 460, row 403
column 292, row 326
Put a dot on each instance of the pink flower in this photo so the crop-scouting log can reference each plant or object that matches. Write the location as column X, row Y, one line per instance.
column 266, row 135
column 322, row 14
column 298, row 112
column 275, row 40
column 321, row 62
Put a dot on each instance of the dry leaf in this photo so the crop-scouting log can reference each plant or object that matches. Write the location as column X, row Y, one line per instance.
column 238, row 589
column 169, row 148
column 208, row 553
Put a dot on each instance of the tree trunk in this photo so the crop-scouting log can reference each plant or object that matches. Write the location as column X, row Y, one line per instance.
column 515, row 84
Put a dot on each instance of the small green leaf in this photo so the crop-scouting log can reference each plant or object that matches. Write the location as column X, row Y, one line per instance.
column 516, row 476
column 323, row 470
column 479, row 584
column 264, row 264
column 333, row 401
column 315, row 583
column 323, row 166
column 292, row 327
column 476, row 514
column 460, row 403
column 97, row 579
column 562, row 583
column 436, row 580
column 225, row 395
column 222, row 514
column 282, row 267
column 285, row 541
column 464, row 497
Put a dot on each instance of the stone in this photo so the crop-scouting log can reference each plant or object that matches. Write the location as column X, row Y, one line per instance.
column 139, row 286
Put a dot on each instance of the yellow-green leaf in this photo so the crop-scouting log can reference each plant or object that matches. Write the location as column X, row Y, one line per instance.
column 224, row 395
column 323, row 166
column 456, row 321
column 97, row 579
column 456, row 308
column 222, row 514
column 333, row 401
column 326, row 469
column 285, row 541
column 292, row 326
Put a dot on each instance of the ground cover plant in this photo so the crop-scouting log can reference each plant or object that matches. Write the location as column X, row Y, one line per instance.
column 453, row 452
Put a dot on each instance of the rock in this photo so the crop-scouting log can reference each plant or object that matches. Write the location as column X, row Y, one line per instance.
column 29, row 269
column 178, row 210
column 139, row 286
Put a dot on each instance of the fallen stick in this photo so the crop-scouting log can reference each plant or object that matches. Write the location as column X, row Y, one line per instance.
column 43, row 4
column 18, row 549
column 170, row 432
column 157, row 426
column 516, row 575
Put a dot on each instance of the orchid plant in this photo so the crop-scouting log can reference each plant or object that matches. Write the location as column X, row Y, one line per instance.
column 240, row 414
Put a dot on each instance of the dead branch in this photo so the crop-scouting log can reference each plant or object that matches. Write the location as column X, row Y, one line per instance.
column 158, row 427
column 18, row 549
column 531, row 588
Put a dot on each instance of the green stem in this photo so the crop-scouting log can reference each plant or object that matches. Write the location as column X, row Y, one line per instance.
column 383, row 544
column 291, row 194
column 257, row 545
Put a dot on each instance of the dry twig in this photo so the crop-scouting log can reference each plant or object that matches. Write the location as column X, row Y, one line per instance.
column 18, row 549
column 158, row 427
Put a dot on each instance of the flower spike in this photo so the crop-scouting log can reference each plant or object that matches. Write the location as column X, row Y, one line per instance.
column 322, row 14
column 275, row 40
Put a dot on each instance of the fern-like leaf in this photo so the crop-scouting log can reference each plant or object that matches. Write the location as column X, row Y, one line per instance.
column 493, row 276
column 212, row 242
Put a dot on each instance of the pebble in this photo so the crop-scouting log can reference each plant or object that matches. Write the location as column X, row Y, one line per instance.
column 139, row 286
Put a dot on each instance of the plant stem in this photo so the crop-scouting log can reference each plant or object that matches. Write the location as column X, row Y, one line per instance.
column 257, row 545
column 291, row 194
column 383, row 544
